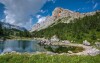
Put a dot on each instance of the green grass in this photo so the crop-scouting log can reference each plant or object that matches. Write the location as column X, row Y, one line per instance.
column 43, row 58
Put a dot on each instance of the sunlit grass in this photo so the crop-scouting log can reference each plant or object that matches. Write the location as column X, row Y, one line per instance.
column 44, row 58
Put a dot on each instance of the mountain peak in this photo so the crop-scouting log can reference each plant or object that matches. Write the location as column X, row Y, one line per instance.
column 59, row 11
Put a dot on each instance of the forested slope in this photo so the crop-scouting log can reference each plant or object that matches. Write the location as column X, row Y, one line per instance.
column 87, row 28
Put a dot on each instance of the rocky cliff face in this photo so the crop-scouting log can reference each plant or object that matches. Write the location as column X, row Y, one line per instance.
column 59, row 13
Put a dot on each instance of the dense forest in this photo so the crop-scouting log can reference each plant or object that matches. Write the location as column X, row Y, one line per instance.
column 87, row 28
column 12, row 33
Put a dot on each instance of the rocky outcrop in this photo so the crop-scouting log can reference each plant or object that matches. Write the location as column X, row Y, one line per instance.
column 59, row 13
column 45, row 42
column 90, row 51
column 49, row 42
column 54, row 39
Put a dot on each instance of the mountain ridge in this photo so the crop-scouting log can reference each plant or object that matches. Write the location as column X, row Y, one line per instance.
column 57, row 14
column 10, row 26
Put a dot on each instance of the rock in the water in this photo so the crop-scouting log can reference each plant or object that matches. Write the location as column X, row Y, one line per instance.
column 86, row 43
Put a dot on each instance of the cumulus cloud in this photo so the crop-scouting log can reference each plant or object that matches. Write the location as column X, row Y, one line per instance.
column 41, row 19
column 38, row 16
column 42, row 11
column 18, row 12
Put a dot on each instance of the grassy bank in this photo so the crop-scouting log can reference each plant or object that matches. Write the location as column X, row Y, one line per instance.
column 43, row 58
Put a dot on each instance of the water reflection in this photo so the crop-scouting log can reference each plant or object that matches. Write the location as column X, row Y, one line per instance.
column 20, row 46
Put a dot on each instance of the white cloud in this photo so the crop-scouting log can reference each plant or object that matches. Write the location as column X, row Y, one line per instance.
column 78, row 9
column 95, row 5
column 42, row 11
column 38, row 16
column 18, row 12
column 41, row 19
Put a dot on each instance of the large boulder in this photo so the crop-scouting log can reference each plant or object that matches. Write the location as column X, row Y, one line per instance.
column 70, row 52
column 86, row 43
column 93, row 52
column 54, row 39
column 7, row 50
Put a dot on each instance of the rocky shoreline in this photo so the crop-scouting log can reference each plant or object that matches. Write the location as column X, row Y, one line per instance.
column 88, row 49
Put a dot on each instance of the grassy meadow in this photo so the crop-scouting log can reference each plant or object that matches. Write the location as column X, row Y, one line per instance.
column 44, row 58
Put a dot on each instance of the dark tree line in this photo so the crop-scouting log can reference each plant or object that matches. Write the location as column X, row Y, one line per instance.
column 8, row 33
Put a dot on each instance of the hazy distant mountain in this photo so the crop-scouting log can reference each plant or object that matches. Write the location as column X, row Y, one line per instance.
column 57, row 14
column 10, row 26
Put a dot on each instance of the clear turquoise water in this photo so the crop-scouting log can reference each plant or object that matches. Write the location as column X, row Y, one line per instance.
column 20, row 46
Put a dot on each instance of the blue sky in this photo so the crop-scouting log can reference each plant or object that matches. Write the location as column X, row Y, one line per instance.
column 18, row 12
column 81, row 6
column 1, row 11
